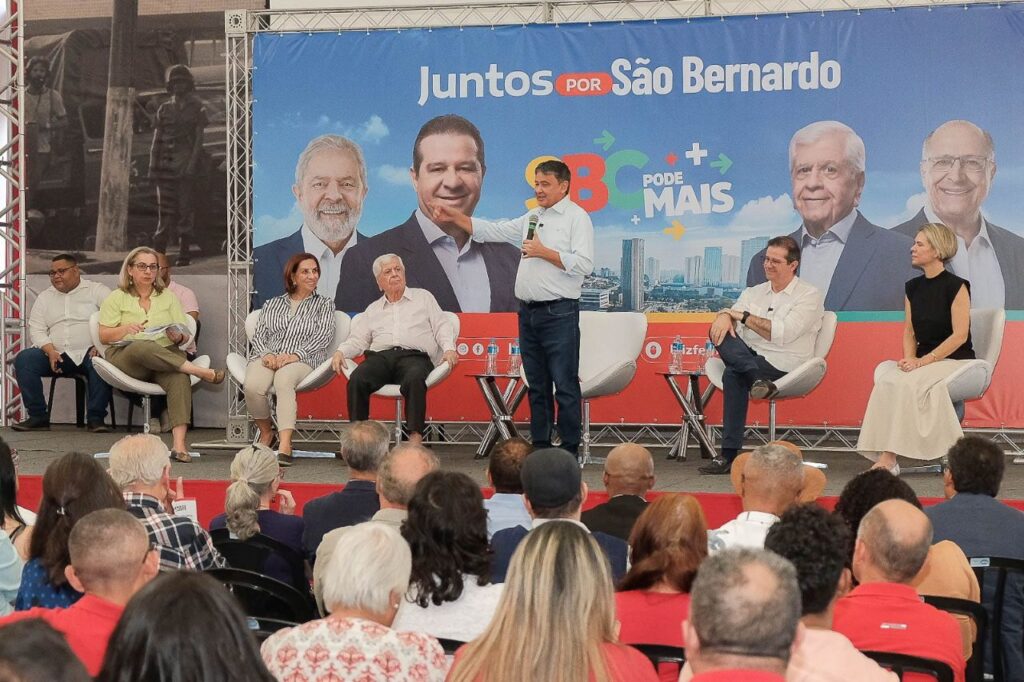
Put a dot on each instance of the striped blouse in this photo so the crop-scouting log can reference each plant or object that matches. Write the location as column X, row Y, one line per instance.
column 308, row 333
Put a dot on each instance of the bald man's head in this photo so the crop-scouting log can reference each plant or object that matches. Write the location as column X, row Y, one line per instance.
column 401, row 470
column 892, row 542
column 772, row 479
column 629, row 470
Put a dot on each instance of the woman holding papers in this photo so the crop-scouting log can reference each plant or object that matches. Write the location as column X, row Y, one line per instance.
column 292, row 337
column 144, row 326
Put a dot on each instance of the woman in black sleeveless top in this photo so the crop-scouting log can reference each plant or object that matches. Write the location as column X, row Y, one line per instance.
column 909, row 412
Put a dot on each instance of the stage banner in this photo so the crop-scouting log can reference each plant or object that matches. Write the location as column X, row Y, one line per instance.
column 691, row 144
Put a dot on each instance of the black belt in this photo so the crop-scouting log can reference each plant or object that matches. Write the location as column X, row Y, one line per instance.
column 538, row 304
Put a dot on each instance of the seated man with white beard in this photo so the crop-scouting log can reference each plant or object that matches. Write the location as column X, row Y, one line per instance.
column 330, row 187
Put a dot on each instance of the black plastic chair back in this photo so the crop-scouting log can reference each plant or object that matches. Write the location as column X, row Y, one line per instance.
column 903, row 663
column 450, row 646
column 976, row 612
column 264, row 597
column 254, row 553
column 671, row 658
column 263, row 628
column 995, row 576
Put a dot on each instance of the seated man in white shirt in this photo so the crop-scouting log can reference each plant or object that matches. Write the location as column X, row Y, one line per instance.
column 769, row 331
column 404, row 335
column 62, row 345
column 772, row 481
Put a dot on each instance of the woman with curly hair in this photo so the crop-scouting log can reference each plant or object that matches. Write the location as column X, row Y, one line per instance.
column 449, row 595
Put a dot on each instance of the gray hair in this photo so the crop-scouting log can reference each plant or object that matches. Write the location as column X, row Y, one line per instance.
column 379, row 261
column 370, row 561
column 141, row 458
column 779, row 464
column 811, row 133
column 398, row 489
column 989, row 142
column 253, row 471
column 364, row 444
column 746, row 602
column 326, row 143
column 898, row 555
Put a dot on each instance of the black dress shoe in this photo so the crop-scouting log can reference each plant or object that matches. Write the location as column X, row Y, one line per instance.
column 98, row 427
column 763, row 389
column 285, row 459
column 32, row 424
column 718, row 465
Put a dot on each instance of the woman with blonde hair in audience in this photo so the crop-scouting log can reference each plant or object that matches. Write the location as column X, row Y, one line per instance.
column 255, row 484
column 556, row 618
column 366, row 578
column 667, row 545
column 141, row 302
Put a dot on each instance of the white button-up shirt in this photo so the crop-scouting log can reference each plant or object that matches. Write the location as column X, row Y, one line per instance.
column 330, row 262
column 819, row 257
column 465, row 267
column 63, row 319
column 414, row 321
column 749, row 529
column 566, row 228
column 796, row 314
column 977, row 264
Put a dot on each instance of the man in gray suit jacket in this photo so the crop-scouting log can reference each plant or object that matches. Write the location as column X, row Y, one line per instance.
column 859, row 265
column 330, row 187
column 958, row 164
column 463, row 275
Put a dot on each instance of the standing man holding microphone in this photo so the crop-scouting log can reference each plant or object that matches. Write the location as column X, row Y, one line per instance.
column 557, row 241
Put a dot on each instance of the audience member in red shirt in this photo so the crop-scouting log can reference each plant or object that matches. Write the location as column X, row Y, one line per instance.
column 884, row 613
column 744, row 617
column 556, row 618
column 668, row 542
column 111, row 559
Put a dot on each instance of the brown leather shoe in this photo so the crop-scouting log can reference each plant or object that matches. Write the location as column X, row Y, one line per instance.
column 179, row 456
column 285, row 459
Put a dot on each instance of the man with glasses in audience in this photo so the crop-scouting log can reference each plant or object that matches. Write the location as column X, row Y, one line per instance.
column 958, row 164
column 62, row 345
column 769, row 331
column 856, row 264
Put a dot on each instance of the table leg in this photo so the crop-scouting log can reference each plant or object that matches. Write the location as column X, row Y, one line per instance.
column 693, row 416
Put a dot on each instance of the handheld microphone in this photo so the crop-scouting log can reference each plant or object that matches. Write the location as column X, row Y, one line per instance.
column 532, row 226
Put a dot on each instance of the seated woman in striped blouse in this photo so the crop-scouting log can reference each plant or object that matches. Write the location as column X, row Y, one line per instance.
column 292, row 336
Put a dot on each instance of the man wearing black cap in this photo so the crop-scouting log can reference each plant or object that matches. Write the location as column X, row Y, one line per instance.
column 553, row 490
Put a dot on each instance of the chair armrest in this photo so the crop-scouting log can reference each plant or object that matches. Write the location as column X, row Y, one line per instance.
column 609, row 382
column 236, row 366
column 969, row 380
column 320, row 376
column 802, row 380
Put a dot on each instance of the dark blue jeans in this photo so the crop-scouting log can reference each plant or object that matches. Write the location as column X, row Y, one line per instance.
column 31, row 365
column 742, row 368
column 549, row 340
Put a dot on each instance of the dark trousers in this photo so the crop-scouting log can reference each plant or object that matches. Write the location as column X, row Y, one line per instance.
column 31, row 365
column 176, row 210
column 549, row 340
column 742, row 368
column 407, row 368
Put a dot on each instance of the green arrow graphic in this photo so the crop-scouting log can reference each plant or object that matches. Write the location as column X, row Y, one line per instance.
column 606, row 140
column 723, row 164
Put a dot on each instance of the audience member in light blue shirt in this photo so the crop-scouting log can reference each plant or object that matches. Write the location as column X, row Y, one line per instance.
column 10, row 574
column 505, row 509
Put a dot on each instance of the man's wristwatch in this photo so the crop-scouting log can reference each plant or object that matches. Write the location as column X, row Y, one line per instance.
column 743, row 319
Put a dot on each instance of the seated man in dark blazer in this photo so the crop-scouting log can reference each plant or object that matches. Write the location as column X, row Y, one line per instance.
column 464, row 276
column 858, row 264
column 628, row 476
column 330, row 187
column 554, row 491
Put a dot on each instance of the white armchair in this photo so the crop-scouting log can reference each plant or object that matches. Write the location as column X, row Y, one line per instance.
column 796, row 383
column 122, row 382
column 971, row 379
column 393, row 391
column 610, row 344
column 321, row 374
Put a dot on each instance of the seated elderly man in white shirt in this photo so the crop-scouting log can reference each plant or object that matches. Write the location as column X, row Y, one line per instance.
column 62, row 345
column 404, row 335
column 769, row 331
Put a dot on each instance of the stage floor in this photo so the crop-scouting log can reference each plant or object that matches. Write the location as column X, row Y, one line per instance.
column 38, row 449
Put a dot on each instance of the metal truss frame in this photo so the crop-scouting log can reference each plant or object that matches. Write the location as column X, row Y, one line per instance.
column 12, row 224
column 241, row 26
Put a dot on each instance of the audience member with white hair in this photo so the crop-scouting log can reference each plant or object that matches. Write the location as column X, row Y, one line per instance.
column 744, row 617
column 771, row 481
column 141, row 466
column 255, row 483
column 884, row 612
column 365, row 580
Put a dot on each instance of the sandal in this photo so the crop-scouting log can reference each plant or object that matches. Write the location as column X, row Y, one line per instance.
column 285, row 459
column 179, row 456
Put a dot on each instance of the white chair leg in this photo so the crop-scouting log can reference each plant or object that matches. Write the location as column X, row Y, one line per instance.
column 585, row 435
column 145, row 413
column 398, row 421
column 771, row 420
